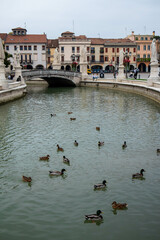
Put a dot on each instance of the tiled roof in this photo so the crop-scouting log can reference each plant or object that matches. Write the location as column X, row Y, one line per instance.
column 52, row 43
column 97, row 41
column 18, row 28
column 3, row 36
column 30, row 38
column 67, row 32
column 120, row 41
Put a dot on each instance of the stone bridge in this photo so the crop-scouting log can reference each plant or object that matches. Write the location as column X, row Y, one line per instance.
column 55, row 78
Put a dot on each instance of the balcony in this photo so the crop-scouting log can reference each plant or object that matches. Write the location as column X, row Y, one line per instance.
column 143, row 59
column 96, row 62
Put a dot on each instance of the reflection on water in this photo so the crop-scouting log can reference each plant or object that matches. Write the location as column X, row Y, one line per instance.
column 57, row 205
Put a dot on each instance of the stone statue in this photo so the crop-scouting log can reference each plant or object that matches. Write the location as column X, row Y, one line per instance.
column 2, row 56
column 83, row 55
column 121, row 58
column 153, row 51
column 17, row 58
column 56, row 56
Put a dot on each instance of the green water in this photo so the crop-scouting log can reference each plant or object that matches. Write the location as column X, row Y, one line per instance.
column 54, row 207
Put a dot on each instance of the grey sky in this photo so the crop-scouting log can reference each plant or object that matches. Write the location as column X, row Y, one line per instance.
column 94, row 18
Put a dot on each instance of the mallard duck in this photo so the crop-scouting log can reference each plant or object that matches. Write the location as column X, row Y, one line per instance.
column 75, row 143
column 124, row 145
column 66, row 160
column 138, row 175
column 69, row 112
column 96, row 216
column 100, row 185
column 119, row 206
column 26, row 179
column 59, row 148
column 45, row 157
column 72, row 119
column 100, row 144
column 57, row 173
column 158, row 150
column 98, row 128
column 53, row 114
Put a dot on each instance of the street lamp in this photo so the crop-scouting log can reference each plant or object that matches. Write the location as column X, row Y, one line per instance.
column 126, row 61
column 74, row 59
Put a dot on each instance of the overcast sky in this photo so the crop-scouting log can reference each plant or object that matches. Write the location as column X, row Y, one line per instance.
column 93, row 18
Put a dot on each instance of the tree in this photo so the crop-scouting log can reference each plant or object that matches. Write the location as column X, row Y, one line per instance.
column 6, row 60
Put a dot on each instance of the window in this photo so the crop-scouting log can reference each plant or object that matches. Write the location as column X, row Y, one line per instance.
column 138, row 56
column 141, row 38
column 73, row 49
column 101, row 50
column 43, row 47
column 78, row 58
column 30, row 58
column 117, row 59
column 21, row 58
column 128, row 50
column 134, row 49
column 106, row 50
column 148, row 56
column 92, row 50
column 25, row 58
column 15, row 48
column 144, row 47
column 21, row 47
column 144, row 55
column 112, row 50
column 134, row 59
column 93, row 58
column 14, row 32
column 78, row 50
column 106, row 58
column 123, row 49
column 113, row 59
column 136, row 38
column 88, row 49
column 146, row 38
column 88, row 59
column 49, row 60
column 138, row 47
column 25, row 47
column 62, row 58
column 35, row 47
column 62, row 49
column 117, row 50
column 101, row 58
column 35, row 57
column 149, row 47
column 19, row 32
column 29, row 48
column 7, row 48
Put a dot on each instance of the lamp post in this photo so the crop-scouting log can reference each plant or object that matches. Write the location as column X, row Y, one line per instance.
column 126, row 61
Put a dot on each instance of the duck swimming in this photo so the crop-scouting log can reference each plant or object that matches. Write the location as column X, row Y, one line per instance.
column 124, row 145
column 75, row 143
column 138, row 175
column 26, row 179
column 100, row 144
column 119, row 206
column 98, row 128
column 96, row 216
column 57, row 173
column 69, row 112
column 66, row 160
column 100, row 185
column 158, row 150
column 59, row 148
column 45, row 157
column 53, row 114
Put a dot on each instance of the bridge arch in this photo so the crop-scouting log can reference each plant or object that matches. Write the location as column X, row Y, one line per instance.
column 39, row 66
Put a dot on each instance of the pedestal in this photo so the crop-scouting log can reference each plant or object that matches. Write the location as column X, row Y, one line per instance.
column 83, row 70
column 18, row 75
column 3, row 80
column 154, row 75
column 121, row 76
column 56, row 66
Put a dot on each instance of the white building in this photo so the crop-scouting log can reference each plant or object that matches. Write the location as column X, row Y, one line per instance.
column 32, row 48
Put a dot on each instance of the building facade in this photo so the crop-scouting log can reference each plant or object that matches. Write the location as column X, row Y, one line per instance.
column 32, row 48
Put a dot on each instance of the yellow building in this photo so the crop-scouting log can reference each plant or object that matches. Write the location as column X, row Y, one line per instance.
column 52, row 44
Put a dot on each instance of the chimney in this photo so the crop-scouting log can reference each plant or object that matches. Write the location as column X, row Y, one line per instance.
column 153, row 33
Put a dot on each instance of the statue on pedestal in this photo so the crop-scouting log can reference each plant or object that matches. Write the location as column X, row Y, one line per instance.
column 56, row 56
column 83, row 54
column 153, row 51
column 121, row 55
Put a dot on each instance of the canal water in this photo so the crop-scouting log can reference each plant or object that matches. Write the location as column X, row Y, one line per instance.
column 54, row 207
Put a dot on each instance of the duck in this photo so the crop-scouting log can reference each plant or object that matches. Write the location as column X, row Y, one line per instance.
column 57, row 173
column 70, row 112
column 100, row 185
column 124, row 145
column 59, row 148
column 98, row 128
column 119, row 206
column 53, row 114
column 138, row 175
column 75, row 143
column 72, row 119
column 158, row 150
column 96, row 216
column 66, row 160
column 100, row 144
column 45, row 157
column 26, row 179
